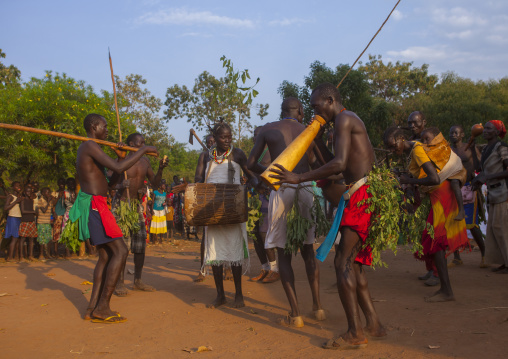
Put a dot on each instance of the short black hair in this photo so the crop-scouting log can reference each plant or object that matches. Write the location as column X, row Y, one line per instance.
column 434, row 130
column 326, row 90
column 91, row 120
column 459, row 127
column 289, row 104
column 14, row 182
column 132, row 137
column 394, row 132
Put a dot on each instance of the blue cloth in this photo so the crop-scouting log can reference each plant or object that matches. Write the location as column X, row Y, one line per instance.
column 12, row 227
column 158, row 204
column 96, row 228
column 327, row 244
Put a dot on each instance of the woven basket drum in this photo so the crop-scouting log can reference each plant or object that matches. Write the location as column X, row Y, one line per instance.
column 208, row 204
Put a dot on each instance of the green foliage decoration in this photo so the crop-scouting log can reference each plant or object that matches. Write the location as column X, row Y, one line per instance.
column 254, row 205
column 70, row 236
column 127, row 216
column 392, row 216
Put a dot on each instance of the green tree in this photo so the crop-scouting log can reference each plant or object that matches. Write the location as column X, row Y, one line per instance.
column 8, row 74
column 56, row 103
column 228, row 97
column 394, row 82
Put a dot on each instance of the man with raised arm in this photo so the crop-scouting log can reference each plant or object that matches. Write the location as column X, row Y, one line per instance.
column 96, row 220
column 354, row 157
column 137, row 240
column 277, row 136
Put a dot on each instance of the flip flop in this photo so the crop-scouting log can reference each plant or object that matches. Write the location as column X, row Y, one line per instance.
column 341, row 344
column 110, row 320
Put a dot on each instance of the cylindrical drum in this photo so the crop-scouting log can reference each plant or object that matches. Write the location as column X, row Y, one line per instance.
column 293, row 153
column 208, row 204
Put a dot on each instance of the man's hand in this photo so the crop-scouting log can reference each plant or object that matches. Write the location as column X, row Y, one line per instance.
column 404, row 178
column 119, row 152
column 149, row 149
column 126, row 183
column 164, row 162
column 284, row 176
column 179, row 188
column 478, row 181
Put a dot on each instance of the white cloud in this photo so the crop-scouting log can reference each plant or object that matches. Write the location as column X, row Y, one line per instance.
column 397, row 15
column 457, row 17
column 462, row 35
column 421, row 53
column 195, row 34
column 288, row 22
column 184, row 17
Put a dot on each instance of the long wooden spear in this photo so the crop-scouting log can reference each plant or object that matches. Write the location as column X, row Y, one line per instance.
column 117, row 114
column 69, row 137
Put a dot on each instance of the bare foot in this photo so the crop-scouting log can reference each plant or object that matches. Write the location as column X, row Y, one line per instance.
column 199, row 278
column 460, row 216
column 377, row 331
column 139, row 285
column 121, row 290
column 439, row 297
column 319, row 314
column 88, row 314
column 238, row 303
column 217, row 302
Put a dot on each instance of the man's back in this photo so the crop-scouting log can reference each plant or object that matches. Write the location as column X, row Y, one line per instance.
column 278, row 135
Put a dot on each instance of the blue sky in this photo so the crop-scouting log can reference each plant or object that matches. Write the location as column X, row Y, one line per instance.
column 172, row 42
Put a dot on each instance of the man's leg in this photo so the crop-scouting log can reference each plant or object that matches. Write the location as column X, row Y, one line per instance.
column 98, row 275
column 312, row 269
column 200, row 276
column 237, row 277
column 444, row 293
column 121, row 289
column 219, row 284
column 287, row 277
column 373, row 327
column 259, row 247
column 346, row 252
column 117, row 256
column 478, row 238
column 139, row 261
column 273, row 271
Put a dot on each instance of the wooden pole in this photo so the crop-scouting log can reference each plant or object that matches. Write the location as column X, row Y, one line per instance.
column 193, row 133
column 117, row 115
column 70, row 137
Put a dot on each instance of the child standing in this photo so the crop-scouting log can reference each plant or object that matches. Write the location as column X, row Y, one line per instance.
column 158, row 226
column 13, row 218
column 27, row 228
column 44, row 209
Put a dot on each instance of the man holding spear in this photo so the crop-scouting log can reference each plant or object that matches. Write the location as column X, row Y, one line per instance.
column 95, row 218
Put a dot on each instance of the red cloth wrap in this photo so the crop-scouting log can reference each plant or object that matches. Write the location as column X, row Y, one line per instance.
column 500, row 127
column 100, row 204
column 357, row 218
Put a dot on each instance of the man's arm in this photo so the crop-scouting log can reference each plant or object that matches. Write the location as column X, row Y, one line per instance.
column 242, row 161
column 432, row 178
column 343, row 128
column 96, row 152
column 475, row 154
column 256, row 152
column 155, row 179
column 199, row 176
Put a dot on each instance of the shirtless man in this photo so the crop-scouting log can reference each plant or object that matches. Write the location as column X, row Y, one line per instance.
column 91, row 163
column 269, row 268
column 471, row 162
column 136, row 178
column 416, row 123
column 354, row 157
column 277, row 136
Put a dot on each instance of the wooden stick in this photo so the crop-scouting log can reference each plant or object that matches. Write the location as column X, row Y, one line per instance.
column 70, row 137
column 117, row 116
column 199, row 140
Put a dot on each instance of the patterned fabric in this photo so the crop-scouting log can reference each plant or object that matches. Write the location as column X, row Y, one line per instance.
column 449, row 235
column 57, row 228
column 45, row 233
column 28, row 229
column 44, row 217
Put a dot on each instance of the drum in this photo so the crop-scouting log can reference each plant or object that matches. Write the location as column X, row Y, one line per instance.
column 208, row 204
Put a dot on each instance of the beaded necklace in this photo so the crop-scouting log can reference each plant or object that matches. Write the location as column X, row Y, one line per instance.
column 220, row 159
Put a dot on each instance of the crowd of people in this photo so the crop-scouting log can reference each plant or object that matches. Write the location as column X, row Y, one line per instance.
column 449, row 173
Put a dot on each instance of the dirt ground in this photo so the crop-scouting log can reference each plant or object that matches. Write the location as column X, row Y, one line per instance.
column 41, row 305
